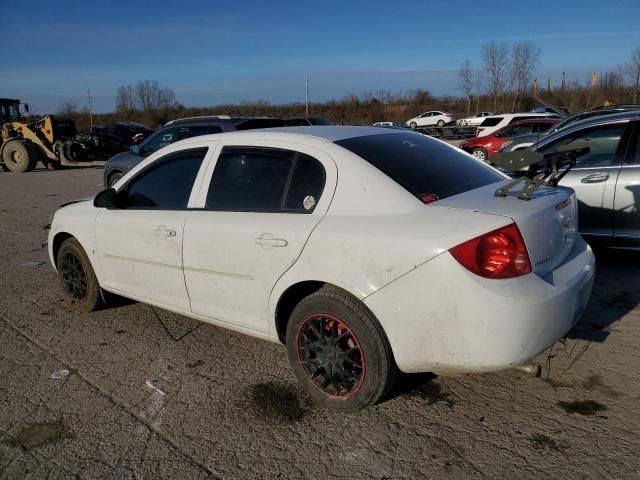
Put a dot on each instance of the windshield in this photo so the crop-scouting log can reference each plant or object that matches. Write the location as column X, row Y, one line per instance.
column 422, row 165
column 10, row 112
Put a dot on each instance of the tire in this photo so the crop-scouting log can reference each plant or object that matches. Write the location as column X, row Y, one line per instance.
column 363, row 355
column 74, row 151
column 413, row 125
column 35, row 154
column 113, row 178
column 440, row 123
column 18, row 157
column 480, row 154
column 77, row 278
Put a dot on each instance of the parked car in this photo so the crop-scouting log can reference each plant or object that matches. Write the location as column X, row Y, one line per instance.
column 495, row 122
column 413, row 265
column 117, row 166
column 483, row 147
column 429, row 119
column 113, row 138
column 522, row 142
column 607, row 179
column 306, row 121
column 475, row 120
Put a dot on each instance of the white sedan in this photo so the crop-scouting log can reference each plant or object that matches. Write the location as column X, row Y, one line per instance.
column 433, row 118
column 475, row 120
column 364, row 250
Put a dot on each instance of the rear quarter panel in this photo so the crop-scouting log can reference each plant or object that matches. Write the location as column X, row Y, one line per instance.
column 375, row 231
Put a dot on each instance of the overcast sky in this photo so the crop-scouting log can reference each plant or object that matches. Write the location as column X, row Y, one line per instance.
column 213, row 52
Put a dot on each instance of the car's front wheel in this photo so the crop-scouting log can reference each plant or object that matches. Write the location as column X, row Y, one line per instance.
column 77, row 278
column 480, row 154
column 113, row 178
column 440, row 123
column 338, row 351
column 413, row 125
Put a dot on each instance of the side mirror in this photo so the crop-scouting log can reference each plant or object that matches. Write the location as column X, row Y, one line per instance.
column 135, row 149
column 106, row 199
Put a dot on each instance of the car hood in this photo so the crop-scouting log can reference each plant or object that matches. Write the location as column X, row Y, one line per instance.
column 124, row 159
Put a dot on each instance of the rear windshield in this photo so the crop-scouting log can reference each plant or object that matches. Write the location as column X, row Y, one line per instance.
column 422, row 165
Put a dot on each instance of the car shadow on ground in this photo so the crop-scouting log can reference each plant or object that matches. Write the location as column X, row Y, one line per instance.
column 616, row 292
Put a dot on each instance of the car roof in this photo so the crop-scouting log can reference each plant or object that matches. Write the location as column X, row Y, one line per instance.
column 627, row 116
column 321, row 133
column 521, row 114
column 333, row 133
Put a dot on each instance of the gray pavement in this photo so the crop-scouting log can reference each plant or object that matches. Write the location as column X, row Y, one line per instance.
column 149, row 394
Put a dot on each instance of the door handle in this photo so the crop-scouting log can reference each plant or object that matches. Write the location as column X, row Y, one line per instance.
column 163, row 231
column 267, row 240
column 595, row 178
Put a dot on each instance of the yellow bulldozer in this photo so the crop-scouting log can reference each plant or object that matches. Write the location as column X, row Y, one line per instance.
column 54, row 142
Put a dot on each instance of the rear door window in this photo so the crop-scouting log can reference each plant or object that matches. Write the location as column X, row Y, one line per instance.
column 422, row 165
column 249, row 179
column 307, row 183
column 252, row 179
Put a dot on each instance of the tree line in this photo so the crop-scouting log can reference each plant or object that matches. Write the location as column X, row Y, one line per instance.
column 503, row 82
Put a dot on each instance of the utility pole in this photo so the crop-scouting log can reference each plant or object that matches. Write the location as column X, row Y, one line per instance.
column 306, row 94
column 90, row 112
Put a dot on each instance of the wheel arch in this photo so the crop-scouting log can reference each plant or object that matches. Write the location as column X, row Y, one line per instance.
column 58, row 240
column 292, row 295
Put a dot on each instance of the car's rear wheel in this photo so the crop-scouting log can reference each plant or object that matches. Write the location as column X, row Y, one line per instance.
column 480, row 154
column 413, row 125
column 79, row 284
column 338, row 351
column 440, row 123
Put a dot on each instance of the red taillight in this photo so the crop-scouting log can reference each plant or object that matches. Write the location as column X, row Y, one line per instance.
column 498, row 254
column 429, row 198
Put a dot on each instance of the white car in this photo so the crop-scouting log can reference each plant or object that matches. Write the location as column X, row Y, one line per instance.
column 432, row 118
column 494, row 123
column 364, row 250
column 475, row 120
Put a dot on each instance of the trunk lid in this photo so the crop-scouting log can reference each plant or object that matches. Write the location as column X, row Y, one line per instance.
column 548, row 222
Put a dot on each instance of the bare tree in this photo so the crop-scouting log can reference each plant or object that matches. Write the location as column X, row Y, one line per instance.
column 147, row 96
column 496, row 61
column 67, row 108
column 465, row 82
column 611, row 85
column 524, row 59
column 632, row 69
column 125, row 100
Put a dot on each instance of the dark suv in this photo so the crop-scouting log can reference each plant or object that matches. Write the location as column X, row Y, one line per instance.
column 175, row 130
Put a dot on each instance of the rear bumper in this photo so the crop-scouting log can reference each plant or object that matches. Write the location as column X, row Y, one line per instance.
column 443, row 319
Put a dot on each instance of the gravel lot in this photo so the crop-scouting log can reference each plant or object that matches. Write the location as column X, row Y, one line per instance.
column 150, row 394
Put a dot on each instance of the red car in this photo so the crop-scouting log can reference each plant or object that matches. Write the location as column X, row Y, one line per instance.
column 483, row 147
